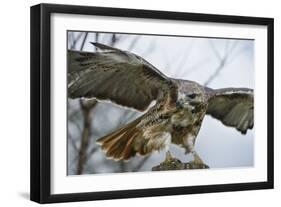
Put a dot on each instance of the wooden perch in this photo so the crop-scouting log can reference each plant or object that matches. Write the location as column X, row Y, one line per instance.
column 171, row 163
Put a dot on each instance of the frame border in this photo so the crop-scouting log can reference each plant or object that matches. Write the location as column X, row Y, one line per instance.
column 41, row 98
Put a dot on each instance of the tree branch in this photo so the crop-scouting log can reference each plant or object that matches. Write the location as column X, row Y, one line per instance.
column 84, row 40
column 222, row 60
column 141, row 163
column 86, row 107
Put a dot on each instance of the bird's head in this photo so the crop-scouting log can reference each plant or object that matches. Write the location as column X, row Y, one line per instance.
column 189, row 99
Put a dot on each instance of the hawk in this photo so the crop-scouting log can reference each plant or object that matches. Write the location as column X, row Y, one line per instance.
column 173, row 108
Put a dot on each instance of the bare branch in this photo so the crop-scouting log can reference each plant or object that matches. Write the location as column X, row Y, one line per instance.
column 223, row 60
column 73, row 115
column 133, row 43
column 216, row 52
column 217, row 71
column 149, row 50
column 73, row 143
column 84, row 40
column 86, row 107
column 92, row 151
column 76, row 124
column 71, row 39
column 141, row 163
column 75, row 40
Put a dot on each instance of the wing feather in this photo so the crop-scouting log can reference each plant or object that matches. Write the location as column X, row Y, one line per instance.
column 233, row 107
column 112, row 74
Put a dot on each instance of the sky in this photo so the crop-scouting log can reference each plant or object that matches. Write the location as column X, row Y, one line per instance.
column 190, row 58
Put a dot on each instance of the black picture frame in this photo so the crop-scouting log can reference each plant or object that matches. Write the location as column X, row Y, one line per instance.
column 41, row 102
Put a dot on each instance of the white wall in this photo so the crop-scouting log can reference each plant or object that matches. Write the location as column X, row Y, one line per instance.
column 14, row 110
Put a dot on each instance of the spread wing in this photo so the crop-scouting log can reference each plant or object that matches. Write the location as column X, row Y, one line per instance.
column 112, row 74
column 233, row 107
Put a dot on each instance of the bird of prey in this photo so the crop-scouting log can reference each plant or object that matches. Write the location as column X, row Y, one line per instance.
column 173, row 108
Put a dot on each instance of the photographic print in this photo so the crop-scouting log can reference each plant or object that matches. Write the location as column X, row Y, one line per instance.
column 130, row 103
column 139, row 102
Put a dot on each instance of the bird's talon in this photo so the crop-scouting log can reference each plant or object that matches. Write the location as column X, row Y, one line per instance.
column 168, row 156
column 198, row 165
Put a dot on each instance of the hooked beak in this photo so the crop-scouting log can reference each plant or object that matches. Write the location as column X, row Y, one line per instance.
column 194, row 103
column 180, row 104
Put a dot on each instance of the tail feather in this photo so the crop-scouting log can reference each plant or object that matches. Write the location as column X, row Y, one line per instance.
column 119, row 145
column 111, row 141
column 116, row 148
column 128, row 149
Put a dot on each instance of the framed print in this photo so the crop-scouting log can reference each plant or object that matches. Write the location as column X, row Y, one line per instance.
column 132, row 103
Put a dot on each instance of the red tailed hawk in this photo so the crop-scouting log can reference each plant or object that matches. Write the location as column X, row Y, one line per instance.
column 129, row 80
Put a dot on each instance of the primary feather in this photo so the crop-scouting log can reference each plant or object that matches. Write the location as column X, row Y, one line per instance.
column 121, row 77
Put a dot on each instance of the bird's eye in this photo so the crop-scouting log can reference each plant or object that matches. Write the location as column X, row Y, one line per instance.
column 193, row 95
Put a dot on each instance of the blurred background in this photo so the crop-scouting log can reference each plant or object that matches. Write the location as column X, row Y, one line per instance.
column 212, row 62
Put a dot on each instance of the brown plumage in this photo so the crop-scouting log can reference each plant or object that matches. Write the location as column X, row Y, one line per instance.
column 130, row 81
